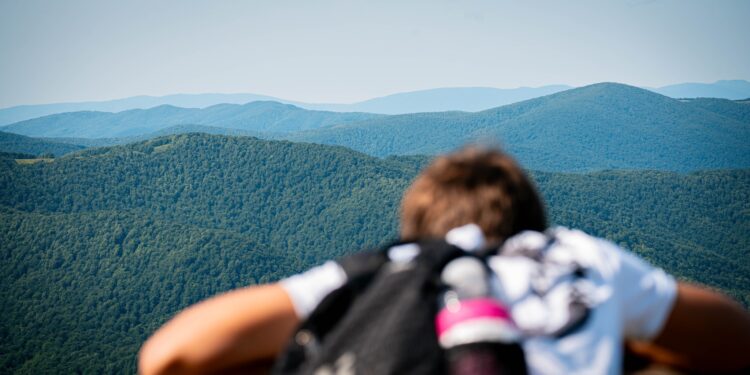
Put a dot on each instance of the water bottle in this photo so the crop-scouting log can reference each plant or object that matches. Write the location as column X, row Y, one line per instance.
column 475, row 329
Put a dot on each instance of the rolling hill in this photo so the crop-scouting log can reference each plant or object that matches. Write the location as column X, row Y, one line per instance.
column 100, row 247
column 255, row 116
column 467, row 99
column 18, row 143
column 431, row 100
column 115, row 240
column 728, row 108
column 442, row 99
column 28, row 112
column 602, row 126
column 727, row 89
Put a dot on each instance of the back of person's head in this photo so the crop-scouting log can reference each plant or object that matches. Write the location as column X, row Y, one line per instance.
column 481, row 186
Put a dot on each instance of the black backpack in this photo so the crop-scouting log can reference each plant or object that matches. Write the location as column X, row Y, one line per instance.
column 381, row 321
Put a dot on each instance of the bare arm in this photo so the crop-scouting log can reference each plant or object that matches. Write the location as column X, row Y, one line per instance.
column 705, row 331
column 224, row 332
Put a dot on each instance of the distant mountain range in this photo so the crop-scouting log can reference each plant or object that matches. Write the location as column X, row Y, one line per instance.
column 729, row 89
column 442, row 99
column 602, row 126
column 469, row 99
column 27, row 112
column 260, row 116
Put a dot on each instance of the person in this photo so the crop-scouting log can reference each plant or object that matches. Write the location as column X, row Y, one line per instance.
column 480, row 198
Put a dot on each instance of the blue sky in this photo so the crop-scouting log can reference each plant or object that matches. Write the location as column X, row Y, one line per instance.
column 347, row 51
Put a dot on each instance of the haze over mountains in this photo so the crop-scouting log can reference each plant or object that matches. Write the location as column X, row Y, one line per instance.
column 725, row 89
column 468, row 99
column 602, row 126
column 255, row 116
column 442, row 99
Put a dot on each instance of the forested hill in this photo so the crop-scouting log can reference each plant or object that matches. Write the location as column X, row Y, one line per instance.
column 18, row 143
column 602, row 126
column 98, row 248
column 728, row 108
column 255, row 116
column 102, row 246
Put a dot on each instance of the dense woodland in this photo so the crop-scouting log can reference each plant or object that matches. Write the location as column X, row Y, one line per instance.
column 101, row 246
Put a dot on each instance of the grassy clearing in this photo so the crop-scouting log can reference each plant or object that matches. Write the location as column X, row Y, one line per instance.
column 163, row 148
column 33, row 161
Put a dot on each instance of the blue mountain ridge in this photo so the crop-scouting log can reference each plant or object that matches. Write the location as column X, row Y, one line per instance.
column 431, row 100
column 601, row 126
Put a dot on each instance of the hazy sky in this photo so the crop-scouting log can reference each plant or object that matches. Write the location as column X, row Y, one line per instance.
column 346, row 51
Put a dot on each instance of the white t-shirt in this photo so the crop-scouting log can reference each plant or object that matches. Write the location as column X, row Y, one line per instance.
column 630, row 299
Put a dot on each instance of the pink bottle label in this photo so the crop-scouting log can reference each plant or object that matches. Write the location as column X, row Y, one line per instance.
column 480, row 308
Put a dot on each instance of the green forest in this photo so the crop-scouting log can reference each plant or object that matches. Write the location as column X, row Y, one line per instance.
column 101, row 246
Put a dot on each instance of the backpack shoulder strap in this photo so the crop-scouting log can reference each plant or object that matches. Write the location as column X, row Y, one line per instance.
column 360, row 268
